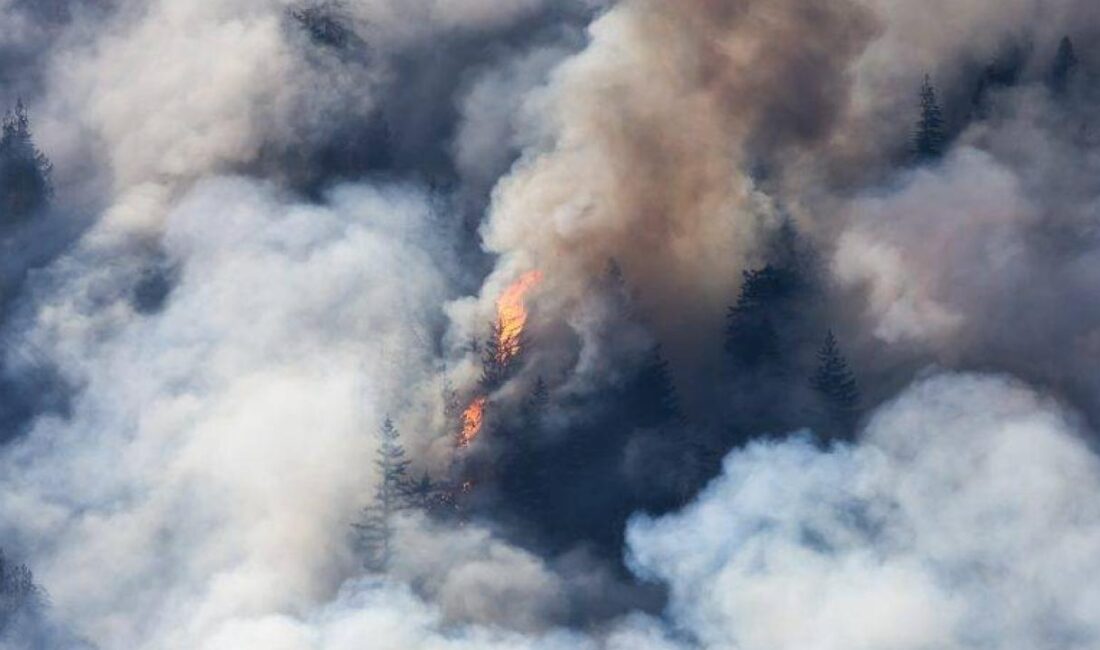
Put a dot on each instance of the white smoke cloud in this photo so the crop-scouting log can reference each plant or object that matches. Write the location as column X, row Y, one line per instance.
column 163, row 93
column 386, row 616
column 218, row 450
column 928, row 252
column 967, row 518
column 489, row 135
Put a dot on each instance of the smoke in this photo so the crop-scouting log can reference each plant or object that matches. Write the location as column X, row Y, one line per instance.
column 277, row 223
column 232, row 419
column 640, row 145
column 959, row 521
column 987, row 258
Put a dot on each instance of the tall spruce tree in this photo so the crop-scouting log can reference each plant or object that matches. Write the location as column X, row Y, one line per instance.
column 1064, row 66
column 376, row 528
column 836, row 387
column 535, row 404
column 752, row 325
column 930, row 140
column 652, row 395
column 24, row 170
column 526, row 475
column 495, row 362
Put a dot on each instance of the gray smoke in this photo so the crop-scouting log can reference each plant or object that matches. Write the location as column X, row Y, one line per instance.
column 265, row 242
column 958, row 522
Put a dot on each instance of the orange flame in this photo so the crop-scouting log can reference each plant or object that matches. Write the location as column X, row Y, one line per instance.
column 472, row 420
column 512, row 315
column 511, row 320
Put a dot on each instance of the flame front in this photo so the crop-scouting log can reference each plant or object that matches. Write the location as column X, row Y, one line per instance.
column 511, row 321
column 512, row 315
column 472, row 420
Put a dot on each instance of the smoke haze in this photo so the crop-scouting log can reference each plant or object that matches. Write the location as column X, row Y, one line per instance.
column 517, row 324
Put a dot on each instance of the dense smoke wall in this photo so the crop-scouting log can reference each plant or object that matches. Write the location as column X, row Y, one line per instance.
column 273, row 225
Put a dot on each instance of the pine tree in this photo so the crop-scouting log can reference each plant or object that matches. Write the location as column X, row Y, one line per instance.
column 24, row 170
column 1064, row 67
column 524, row 471
column 929, row 141
column 376, row 528
column 752, row 336
column 495, row 359
column 652, row 394
column 836, row 386
column 536, row 403
column 19, row 595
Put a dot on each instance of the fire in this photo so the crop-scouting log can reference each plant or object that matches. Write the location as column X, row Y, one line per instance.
column 511, row 320
column 472, row 419
column 512, row 315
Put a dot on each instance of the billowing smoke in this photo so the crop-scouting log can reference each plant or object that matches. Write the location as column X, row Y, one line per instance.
column 520, row 324
column 952, row 525
column 957, row 522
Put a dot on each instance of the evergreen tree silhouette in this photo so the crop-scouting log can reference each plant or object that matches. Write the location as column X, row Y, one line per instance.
column 496, row 362
column 1004, row 71
column 19, row 595
column 652, row 395
column 376, row 528
column 24, row 170
column 527, row 477
column 929, row 141
column 836, row 386
column 1064, row 66
column 752, row 325
column 536, row 402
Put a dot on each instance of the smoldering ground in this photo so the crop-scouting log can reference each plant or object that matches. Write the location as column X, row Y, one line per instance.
column 741, row 409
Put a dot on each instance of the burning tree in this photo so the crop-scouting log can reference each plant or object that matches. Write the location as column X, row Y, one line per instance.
column 473, row 418
column 506, row 335
column 505, row 342
column 498, row 356
column 376, row 528
column 495, row 361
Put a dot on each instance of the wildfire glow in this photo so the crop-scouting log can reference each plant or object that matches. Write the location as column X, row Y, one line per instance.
column 512, row 315
column 472, row 419
column 511, row 321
